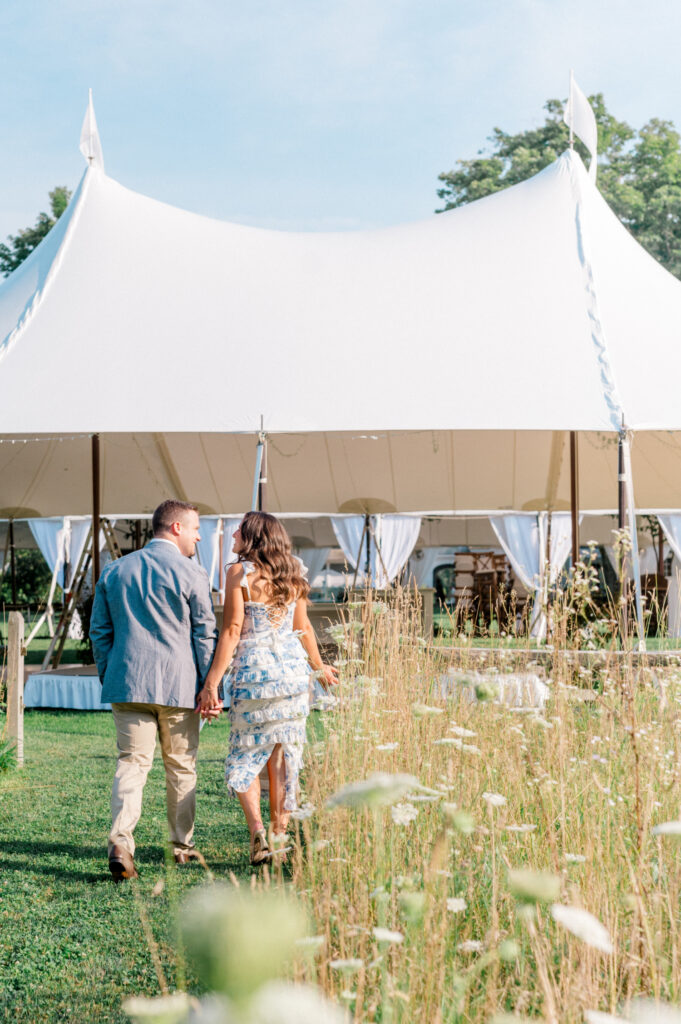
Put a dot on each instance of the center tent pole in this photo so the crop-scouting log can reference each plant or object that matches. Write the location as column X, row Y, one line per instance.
column 12, row 562
column 96, row 509
column 621, row 523
column 574, row 495
column 367, row 567
column 260, row 475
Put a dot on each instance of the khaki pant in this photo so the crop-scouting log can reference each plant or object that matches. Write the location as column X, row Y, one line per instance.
column 137, row 726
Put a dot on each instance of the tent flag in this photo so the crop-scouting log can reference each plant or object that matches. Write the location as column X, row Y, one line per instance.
column 90, row 146
column 580, row 118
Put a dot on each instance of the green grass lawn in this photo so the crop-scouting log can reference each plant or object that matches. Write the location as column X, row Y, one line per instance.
column 72, row 945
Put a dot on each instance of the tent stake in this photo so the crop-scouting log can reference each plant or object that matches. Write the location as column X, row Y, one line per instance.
column 96, row 511
column 574, row 495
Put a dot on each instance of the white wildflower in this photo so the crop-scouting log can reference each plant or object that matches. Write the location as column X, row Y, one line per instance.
column 387, row 746
column 303, row 813
column 311, row 942
column 668, row 828
column 454, row 741
column 380, row 790
column 575, row 858
column 422, row 710
column 494, row 799
column 386, row 935
column 351, row 964
column 470, row 946
column 456, row 904
column 584, row 925
column 171, row 1008
column 459, row 730
column 596, row 1017
column 403, row 814
column 521, row 828
column 646, row 1011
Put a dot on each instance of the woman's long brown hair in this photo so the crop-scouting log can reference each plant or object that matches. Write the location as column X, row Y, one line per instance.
column 267, row 544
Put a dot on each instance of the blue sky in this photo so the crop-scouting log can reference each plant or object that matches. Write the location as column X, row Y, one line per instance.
column 306, row 114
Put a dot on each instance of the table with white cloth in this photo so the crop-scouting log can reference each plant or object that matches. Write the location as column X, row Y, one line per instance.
column 74, row 686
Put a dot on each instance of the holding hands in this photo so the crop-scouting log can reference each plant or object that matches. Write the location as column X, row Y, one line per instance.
column 208, row 704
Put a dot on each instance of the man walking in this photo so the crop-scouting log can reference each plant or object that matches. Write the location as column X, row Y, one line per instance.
column 153, row 635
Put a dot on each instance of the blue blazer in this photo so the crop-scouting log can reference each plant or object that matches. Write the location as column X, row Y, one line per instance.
column 152, row 628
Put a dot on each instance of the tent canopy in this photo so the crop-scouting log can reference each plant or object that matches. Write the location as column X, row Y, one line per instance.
column 435, row 365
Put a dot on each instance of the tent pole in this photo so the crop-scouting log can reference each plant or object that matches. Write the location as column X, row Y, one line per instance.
column 621, row 524
column 367, row 566
column 12, row 562
column 574, row 495
column 262, row 483
column 221, row 560
column 260, row 475
column 96, row 510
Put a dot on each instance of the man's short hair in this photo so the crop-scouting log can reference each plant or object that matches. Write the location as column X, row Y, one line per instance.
column 169, row 512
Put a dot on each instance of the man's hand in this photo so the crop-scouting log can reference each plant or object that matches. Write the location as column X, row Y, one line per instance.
column 208, row 704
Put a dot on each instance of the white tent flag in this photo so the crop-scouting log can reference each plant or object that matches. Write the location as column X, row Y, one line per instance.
column 90, row 146
column 580, row 118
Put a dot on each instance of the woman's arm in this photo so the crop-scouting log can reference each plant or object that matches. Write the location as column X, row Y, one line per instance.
column 301, row 623
column 232, row 622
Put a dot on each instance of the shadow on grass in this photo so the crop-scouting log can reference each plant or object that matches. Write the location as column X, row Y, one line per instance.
column 17, row 857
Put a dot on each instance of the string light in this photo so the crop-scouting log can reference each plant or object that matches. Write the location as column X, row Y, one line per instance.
column 27, row 440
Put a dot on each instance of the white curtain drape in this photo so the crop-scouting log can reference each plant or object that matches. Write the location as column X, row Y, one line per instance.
column 424, row 561
column 208, row 547
column 314, row 560
column 50, row 536
column 523, row 539
column 229, row 528
column 395, row 535
column 671, row 524
column 77, row 536
column 348, row 531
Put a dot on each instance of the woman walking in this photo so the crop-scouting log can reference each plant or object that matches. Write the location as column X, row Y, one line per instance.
column 268, row 637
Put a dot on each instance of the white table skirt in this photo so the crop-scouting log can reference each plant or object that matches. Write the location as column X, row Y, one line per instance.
column 64, row 689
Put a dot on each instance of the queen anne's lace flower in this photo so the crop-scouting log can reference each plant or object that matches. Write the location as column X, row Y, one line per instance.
column 584, row 925
column 403, row 814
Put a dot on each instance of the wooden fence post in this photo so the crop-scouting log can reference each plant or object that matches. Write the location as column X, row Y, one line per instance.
column 15, row 683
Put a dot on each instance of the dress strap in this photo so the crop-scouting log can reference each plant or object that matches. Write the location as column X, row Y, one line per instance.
column 247, row 567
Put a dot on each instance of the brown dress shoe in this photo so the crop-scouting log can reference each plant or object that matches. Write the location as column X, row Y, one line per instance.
column 121, row 864
column 187, row 856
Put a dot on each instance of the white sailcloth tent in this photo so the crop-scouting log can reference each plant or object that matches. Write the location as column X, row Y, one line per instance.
column 432, row 366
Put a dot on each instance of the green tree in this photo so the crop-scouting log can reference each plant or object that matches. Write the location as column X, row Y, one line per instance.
column 639, row 173
column 23, row 243
column 33, row 578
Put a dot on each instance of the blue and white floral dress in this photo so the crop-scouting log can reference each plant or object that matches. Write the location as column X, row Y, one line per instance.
column 269, row 681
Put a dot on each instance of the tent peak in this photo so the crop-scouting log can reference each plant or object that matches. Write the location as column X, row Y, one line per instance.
column 90, row 145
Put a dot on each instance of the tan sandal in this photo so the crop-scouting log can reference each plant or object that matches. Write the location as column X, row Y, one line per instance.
column 260, row 851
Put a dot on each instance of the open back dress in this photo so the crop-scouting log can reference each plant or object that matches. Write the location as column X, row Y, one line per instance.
column 269, row 680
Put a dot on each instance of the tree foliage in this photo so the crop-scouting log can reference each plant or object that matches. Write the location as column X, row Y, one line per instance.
column 33, row 578
column 24, row 242
column 639, row 173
